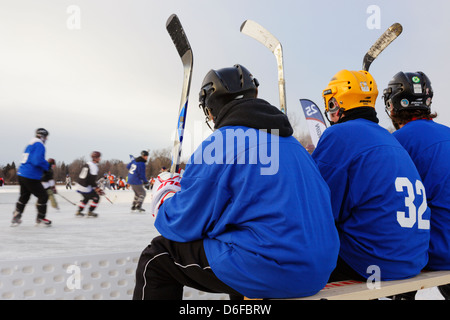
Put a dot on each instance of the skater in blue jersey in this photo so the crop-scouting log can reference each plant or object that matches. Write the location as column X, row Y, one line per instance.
column 408, row 99
column 377, row 195
column 251, row 215
column 137, row 180
column 30, row 173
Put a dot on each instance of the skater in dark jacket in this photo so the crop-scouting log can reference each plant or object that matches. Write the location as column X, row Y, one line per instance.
column 48, row 182
column 86, row 185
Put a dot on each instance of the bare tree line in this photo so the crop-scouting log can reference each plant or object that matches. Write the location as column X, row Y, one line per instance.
column 157, row 159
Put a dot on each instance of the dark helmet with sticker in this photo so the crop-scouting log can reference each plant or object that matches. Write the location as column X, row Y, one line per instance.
column 222, row 86
column 408, row 91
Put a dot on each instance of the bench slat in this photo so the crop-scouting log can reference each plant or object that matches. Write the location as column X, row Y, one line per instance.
column 353, row 290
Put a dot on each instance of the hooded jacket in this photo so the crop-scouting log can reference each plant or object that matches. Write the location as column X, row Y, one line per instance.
column 259, row 203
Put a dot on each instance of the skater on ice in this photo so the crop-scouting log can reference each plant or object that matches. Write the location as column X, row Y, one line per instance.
column 68, row 182
column 112, row 181
column 408, row 99
column 230, row 226
column 137, row 180
column 49, row 183
column 371, row 177
column 30, row 172
column 86, row 185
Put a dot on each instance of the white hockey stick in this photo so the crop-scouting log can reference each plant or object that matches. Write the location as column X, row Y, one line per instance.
column 382, row 42
column 259, row 33
column 181, row 42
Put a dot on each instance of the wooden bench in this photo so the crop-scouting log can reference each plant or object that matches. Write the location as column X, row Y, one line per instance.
column 355, row 290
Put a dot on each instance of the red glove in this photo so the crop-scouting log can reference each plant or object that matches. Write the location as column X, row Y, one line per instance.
column 99, row 191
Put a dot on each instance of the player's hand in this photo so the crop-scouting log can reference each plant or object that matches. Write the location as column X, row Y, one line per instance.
column 164, row 189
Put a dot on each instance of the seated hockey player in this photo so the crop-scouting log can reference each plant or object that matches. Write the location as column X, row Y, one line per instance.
column 251, row 215
column 86, row 185
column 377, row 195
column 408, row 103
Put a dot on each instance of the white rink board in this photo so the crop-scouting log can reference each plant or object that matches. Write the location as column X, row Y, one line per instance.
column 94, row 277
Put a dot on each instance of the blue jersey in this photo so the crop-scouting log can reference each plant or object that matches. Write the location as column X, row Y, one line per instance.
column 33, row 162
column 136, row 171
column 262, row 209
column 377, row 198
column 428, row 143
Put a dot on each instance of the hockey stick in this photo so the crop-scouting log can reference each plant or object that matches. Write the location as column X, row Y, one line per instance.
column 382, row 42
column 107, row 198
column 183, row 47
column 66, row 199
column 259, row 33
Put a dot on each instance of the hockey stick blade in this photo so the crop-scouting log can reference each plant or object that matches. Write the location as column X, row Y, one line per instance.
column 382, row 43
column 178, row 35
column 176, row 32
column 262, row 35
column 259, row 33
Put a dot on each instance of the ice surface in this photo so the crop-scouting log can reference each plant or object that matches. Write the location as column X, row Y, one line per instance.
column 115, row 230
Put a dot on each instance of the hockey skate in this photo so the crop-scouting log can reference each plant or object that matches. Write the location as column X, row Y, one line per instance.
column 43, row 222
column 79, row 214
column 137, row 209
column 16, row 220
column 92, row 214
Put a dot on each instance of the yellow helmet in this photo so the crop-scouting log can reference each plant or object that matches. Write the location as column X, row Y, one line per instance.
column 350, row 89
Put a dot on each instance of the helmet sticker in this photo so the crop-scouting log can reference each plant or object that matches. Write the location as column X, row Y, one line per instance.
column 364, row 87
column 404, row 103
column 417, row 88
column 415, row 79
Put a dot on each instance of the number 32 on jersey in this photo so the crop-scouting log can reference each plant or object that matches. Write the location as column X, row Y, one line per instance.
column 414, row 215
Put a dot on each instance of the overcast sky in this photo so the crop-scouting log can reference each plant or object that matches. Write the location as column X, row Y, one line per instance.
column 109, row 79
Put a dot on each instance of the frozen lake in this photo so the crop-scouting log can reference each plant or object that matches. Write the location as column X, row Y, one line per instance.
column 115, row 230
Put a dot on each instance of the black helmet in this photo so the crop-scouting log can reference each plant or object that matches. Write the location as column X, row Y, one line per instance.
column 144, row 153
column 408, row 91
column 224, row 85
column 41, row 133
column 96, row 154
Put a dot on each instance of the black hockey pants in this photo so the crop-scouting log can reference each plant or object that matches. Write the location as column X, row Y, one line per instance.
column 166, row 266
column 86, row 197
column 30, row 187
